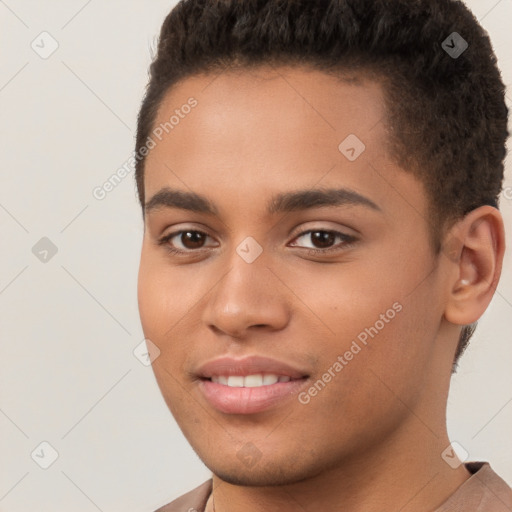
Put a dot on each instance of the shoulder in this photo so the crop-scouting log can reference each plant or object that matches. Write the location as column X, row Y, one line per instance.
column 484, row 491
column 496, row 493
column 193, row 501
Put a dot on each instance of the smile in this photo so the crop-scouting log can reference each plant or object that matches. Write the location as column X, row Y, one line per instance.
column 250, row 381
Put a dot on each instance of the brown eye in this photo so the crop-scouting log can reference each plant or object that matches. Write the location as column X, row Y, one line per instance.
column 323, row 240
column 192, row 239
column 184, row 241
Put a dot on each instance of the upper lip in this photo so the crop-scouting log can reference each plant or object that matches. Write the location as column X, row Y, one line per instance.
column 251, row 365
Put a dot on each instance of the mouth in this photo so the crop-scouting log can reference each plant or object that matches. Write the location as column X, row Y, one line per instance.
column 250, row 385
column 237, row 399
column 250, row 381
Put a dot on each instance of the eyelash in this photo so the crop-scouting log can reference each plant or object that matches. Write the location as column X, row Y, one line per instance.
column 347, row 241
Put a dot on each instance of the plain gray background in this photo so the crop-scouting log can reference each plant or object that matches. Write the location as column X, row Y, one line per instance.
column 69, row 325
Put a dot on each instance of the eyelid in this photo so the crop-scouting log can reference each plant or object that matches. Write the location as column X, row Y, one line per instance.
column 165, row 239
column 347, row 241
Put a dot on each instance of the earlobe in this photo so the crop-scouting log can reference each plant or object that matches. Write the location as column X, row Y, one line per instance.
column 476, row 269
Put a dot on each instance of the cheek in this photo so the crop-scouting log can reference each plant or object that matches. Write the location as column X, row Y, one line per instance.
column 375, row 383
column 169, row 301
column 380, row 316
column 346, row 298
column 159, row 310
column 149, row 297
column 163, row 296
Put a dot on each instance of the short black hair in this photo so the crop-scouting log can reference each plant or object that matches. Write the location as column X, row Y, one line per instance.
column 446, row 111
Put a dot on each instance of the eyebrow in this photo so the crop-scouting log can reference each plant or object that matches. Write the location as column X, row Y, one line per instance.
column 283, row 202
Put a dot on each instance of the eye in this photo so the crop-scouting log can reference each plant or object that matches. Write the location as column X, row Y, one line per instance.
column 186, row 240
column 323, row 239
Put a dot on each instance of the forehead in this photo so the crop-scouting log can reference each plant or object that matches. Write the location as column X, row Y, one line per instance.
column 304, row 100
column 269, row 128
column 327, row 94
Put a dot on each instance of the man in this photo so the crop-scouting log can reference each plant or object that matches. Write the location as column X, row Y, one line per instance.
column 319, row 183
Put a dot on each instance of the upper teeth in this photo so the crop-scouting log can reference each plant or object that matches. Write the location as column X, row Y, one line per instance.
column 249, row 381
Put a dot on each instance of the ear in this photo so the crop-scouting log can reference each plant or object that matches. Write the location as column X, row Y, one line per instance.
column 475, row 245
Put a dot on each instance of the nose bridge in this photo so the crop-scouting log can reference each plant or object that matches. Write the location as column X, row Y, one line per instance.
column 246, row 294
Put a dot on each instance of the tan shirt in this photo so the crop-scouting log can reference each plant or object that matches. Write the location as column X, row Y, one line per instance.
column 484, row 491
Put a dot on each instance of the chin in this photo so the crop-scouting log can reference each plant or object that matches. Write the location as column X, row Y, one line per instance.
column 257, row 479
column 268, row 475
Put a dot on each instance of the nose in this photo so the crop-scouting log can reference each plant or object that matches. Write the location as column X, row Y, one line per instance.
column 246, row 298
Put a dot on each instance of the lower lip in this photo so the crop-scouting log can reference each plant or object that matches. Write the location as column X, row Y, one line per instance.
column 249, row 400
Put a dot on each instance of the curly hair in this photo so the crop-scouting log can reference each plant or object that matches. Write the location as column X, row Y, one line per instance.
column 446, row 114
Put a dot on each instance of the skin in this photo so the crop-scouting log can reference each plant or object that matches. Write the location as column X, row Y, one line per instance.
column 372, row 439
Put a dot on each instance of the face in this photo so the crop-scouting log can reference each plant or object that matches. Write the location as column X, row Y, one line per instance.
column 265, row 273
